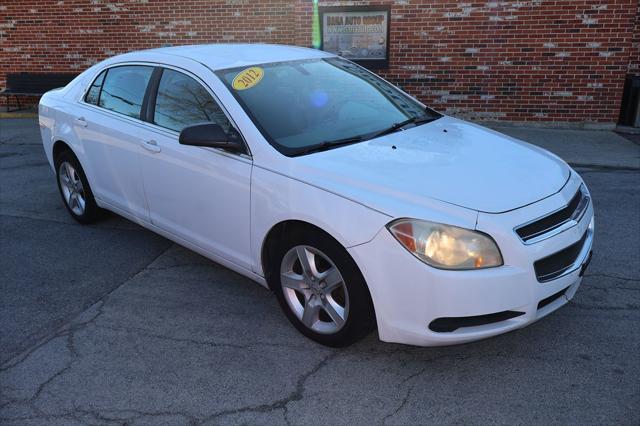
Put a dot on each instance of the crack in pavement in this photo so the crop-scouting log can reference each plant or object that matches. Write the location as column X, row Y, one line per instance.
column 41, row 387
column 110, row 415
column 629, row 307
column 616, row 277
column 280, row 404
column 403, row 403
column 69, row 329
column 20, row 358
column 103, row 415
column 606, row 289
column 420, row 372
column 456, row 358
column 66, row 330
column 412, row 376
column 250, row 346
column 60, row 332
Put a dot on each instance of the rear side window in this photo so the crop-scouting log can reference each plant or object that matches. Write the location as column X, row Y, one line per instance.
column 123, row 89
column 182, row 101
column 94, row 91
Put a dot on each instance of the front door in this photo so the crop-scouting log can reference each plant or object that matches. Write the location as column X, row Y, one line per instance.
column 199, row 194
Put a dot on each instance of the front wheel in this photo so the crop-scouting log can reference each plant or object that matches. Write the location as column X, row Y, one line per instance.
column 321, row 290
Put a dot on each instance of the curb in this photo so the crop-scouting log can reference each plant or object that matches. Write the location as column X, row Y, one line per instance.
column 628, row 130
column 548, row 125
column 18, row 115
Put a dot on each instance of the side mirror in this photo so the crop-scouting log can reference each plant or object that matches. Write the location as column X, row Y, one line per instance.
column 211, row 135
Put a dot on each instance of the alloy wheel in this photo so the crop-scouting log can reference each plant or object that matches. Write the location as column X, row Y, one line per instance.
column 72, row 189
column 314, row 289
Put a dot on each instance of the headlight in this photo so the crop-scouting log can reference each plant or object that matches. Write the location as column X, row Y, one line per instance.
column 446, row 246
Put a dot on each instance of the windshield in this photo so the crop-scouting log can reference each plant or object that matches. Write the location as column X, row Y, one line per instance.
column 302, row 104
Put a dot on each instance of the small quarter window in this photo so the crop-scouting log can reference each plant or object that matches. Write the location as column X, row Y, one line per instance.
column 181, row 102
column 123, row 89
column 93, row 94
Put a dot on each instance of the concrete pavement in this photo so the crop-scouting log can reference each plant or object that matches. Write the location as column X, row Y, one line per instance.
column 581, row 147
column 111, row 324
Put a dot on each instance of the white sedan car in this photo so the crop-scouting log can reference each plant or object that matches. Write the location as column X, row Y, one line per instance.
column 356, row 204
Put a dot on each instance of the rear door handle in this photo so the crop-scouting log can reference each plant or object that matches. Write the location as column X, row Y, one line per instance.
column 151, row 146
column 81, row 121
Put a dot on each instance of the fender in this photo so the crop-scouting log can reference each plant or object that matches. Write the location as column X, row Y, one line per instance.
column 300, row 201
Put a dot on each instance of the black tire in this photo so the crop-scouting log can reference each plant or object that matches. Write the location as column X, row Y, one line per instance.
column 360, row 320
column 91, row 211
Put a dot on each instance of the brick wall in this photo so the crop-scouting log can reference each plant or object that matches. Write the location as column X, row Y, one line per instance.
column 536, row 60
column 634, row 54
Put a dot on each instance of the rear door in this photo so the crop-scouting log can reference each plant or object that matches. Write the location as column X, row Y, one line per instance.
column 109, row 125
column 199, row 194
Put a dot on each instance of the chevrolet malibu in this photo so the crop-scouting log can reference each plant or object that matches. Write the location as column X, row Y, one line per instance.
column 357, row 205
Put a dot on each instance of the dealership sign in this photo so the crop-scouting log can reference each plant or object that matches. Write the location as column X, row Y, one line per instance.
column 360, row 34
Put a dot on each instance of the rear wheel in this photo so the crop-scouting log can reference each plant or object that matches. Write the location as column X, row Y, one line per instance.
column 74, row 188
column 321, row 289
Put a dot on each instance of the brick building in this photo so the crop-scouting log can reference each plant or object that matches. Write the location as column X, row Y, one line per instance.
column 528, row 60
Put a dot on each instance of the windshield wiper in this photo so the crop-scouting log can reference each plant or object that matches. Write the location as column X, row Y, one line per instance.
column 397, row 126
column 323, row 146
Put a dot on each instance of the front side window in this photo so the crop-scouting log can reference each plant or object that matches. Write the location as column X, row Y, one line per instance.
column 301, row 104
column 182, row 101
column 94, row 91
column 123, row 89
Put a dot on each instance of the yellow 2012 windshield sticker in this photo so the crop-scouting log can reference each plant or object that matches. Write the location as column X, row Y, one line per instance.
column 248, row 78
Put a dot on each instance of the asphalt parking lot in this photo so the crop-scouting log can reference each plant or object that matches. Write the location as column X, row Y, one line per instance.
column 111, row 324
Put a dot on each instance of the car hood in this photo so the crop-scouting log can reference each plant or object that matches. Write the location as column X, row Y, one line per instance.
column 447, row 160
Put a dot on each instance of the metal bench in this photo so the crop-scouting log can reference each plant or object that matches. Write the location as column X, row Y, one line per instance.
column 33, row 84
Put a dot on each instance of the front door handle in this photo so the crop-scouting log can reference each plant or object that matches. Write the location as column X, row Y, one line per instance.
column 81, row 121
column 151, row 146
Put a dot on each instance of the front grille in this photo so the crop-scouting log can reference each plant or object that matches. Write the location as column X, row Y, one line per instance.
column 571, row 212
column 556, row 264
column 449, row 324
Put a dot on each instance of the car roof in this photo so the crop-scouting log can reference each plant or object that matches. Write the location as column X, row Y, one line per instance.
column 221, row 56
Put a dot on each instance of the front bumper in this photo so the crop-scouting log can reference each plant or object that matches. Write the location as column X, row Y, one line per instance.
column 409, row 295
